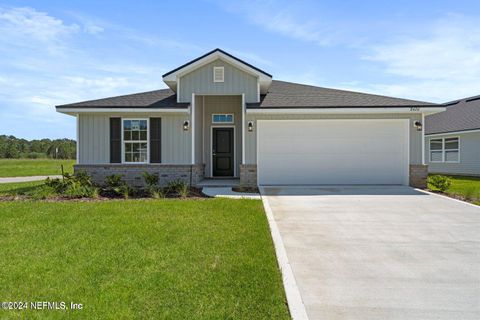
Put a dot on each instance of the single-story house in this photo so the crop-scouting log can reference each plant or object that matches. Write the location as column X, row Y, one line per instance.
column 453, row 138
column 223, row 117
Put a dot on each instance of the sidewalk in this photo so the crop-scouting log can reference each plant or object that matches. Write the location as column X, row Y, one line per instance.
column 26, row 179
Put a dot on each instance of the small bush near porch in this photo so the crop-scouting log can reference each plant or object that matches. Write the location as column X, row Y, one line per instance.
column 140, row 259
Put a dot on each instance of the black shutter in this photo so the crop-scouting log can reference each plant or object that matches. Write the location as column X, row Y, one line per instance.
column 155, row 140
column 115, row 140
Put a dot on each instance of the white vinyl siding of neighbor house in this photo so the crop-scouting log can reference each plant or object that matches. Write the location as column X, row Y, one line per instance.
column 94, row 135
column 200, row 81
column 469, row 155
column 415, row 136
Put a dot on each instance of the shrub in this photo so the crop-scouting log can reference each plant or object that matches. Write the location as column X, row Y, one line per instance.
column 83, row 178
column 116, row 186
column 114, row 181
column 178, row 187
column 151, row 179
column 125, row 191
column 158, row 193
column 78, row 185
column 439, row 182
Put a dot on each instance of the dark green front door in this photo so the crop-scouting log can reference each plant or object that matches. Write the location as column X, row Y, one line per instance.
column 222, row 152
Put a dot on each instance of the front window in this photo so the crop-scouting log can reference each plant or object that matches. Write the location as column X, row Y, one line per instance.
column 135, row 142
column 445, row 150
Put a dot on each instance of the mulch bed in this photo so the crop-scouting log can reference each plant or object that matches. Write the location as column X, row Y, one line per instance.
column 195, row 193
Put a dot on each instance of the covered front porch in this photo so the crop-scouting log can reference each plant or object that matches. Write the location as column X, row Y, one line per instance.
column 217, row 134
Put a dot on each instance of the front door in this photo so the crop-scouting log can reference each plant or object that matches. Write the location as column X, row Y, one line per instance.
column 222, row 152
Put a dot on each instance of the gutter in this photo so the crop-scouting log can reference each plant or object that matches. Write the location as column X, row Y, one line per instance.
column 452, row 132
column 320, row 110
column 74, row 111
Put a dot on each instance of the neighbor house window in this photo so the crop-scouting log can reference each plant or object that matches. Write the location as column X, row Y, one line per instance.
column 218, row 74
column 445, row 150
column 222, row 118
column 135, row 140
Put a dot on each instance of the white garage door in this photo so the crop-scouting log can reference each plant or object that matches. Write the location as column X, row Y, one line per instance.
column 303, row 152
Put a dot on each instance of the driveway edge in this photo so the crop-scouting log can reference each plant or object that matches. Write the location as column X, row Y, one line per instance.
column 443, row 196
column 294, row 299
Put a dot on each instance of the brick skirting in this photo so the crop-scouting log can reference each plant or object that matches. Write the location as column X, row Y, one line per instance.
column 418, row 175
column 132, row 173
column 248, row 175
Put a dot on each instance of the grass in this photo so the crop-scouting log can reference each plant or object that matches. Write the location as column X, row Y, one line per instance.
column 155, row 259
column 33, row 167
column 465, row 187
column 19, row 188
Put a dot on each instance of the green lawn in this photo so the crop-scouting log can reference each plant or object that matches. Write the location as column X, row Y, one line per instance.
column 19, row 187
column 140, row 259
column 466, row 187
column 33, row 167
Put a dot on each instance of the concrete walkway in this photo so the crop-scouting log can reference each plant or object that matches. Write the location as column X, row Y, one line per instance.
column 26, row 179
column 380, row 252
column 227, row 192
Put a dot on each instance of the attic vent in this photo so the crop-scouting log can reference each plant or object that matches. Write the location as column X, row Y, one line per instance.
column 218, row 74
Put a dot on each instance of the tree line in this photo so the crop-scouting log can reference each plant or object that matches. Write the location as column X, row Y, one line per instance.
column 13, row 148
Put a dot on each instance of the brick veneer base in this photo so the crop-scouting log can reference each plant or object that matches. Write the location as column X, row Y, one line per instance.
column 248, row 175
column 132, row 173
column 418, row 175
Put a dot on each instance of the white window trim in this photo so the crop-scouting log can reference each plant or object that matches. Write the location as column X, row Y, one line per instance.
column 443, row 150
column 147, row 141
column 223, row 74
column 223, row 114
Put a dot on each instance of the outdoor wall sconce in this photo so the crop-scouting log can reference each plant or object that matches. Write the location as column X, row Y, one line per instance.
column 418, row 125
column 186, row 125
column 250, row 126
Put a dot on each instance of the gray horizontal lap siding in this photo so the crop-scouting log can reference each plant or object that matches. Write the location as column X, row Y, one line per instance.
column 415, row 136
column 94, row 144
column 469, row 155
column 200, row 81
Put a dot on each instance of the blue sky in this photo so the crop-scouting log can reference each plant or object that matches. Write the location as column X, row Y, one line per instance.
column 55, row 52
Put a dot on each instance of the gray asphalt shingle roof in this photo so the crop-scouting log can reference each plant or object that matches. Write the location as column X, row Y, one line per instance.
column 281, row 94
column 461, row 115
column 164, row 98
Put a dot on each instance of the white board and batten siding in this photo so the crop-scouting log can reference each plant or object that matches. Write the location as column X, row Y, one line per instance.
column 332, row 152
column 200, row 81
column 94, row 138
column 469, row 162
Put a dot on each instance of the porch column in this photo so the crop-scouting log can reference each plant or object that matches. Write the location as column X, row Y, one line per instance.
column 192, row 125
column 243, row 128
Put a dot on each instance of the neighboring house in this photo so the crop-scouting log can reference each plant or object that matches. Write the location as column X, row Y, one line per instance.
column 453, row 138
column 222, row 117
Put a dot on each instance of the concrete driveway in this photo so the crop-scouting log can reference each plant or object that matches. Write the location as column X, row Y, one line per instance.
column 380, row 252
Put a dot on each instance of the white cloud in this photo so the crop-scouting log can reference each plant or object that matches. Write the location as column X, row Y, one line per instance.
column 44, row 63
column 442, row 65
column 36, row 25
column 283, row 18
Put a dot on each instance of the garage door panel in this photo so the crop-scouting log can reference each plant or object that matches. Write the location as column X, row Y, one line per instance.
column 332, row 152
